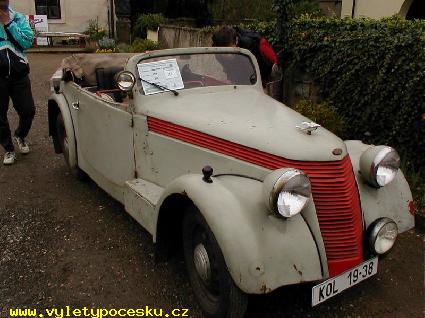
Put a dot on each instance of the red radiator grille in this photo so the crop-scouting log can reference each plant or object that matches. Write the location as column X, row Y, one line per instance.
column 333, row 185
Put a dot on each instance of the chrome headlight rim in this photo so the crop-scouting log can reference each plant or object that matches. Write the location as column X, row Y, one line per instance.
column 375, row 230
column 377, row 162
column 379, row 165
column 279, row 188
column 119, row 81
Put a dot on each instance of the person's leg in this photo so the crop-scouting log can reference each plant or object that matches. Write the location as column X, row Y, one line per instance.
column 5, row 137
column 23, row 102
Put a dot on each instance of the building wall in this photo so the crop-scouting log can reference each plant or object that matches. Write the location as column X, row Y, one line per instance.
column 75, row 13
column 375, row 8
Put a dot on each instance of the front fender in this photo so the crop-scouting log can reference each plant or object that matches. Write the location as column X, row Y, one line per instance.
column 391, row 201
column 262, row 252
column 57, row 103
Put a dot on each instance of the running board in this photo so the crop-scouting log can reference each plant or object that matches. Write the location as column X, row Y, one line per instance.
column 140, row 199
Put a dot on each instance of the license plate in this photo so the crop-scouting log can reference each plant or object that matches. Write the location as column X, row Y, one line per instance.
column 336, row 285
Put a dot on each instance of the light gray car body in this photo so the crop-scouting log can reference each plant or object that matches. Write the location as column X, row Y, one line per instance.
column 149, row 172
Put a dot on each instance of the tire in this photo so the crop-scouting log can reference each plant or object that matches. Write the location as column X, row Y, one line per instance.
column 217, row 294
column 63, row 142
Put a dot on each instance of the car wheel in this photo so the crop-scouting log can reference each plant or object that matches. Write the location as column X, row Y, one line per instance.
column 212, row 284
column 63, row 142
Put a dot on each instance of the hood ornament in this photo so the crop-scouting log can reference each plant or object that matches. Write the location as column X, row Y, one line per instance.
column 308, row 127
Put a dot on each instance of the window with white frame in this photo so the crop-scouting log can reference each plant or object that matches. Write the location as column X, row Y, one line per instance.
column 51, row 8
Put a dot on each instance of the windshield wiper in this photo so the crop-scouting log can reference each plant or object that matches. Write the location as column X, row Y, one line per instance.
column 176, row 93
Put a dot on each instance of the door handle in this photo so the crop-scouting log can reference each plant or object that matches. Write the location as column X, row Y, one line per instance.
column 76, row 105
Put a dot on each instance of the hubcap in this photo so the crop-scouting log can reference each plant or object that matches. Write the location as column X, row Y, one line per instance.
column 202, row 262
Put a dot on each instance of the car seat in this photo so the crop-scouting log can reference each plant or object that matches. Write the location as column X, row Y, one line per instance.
column 105, row 78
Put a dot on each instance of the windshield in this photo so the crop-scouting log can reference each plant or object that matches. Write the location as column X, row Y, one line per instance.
column 187, row 71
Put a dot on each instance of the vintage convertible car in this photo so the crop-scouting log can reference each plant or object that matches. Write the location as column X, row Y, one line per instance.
column 254, row 194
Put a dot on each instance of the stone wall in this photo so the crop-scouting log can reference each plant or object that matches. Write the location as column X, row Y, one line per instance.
column 176, row 36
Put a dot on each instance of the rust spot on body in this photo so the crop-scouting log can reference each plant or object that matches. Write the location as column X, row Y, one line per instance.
column 264, row 289
column 299, row 272
column 337, row 151
column 412, row 207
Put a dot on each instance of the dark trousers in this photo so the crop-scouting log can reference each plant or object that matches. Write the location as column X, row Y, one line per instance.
column 19, row 90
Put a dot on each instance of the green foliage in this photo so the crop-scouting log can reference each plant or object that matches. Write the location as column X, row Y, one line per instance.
column 266, row 29
column 138, row 46
column 143, row 45
column 147, row 21
column 419, row 199
column 124, row 48
column 234, row 11
column 324, row 114
column 307, row 7
column 287, row 10
column 107, row 43
column 372, row 71
column 285, row 13
column 94, row 30
column 208, row 30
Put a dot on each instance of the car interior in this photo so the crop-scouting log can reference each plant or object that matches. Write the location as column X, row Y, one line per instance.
column 96, row 73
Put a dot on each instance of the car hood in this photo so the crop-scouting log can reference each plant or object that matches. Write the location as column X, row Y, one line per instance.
column 247, row 117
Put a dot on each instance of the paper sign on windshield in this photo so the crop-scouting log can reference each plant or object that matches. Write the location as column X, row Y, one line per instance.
column 165, row 73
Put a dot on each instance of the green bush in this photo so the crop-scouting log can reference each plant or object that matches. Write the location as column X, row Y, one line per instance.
column 124, row 48
column 138, row 46
column 266, row 29
column 94, row 30
column 147, row 21
column 309, row 7
column 107, row 43
column 232, row 11
column 143, row 45
column 372, row 71
column 324, row 114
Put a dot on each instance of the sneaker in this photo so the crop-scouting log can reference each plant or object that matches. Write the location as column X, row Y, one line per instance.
column 9, row 158
column 22, row 145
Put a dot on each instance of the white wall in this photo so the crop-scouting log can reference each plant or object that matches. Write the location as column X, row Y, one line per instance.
column 75, row 13
column 375, row 8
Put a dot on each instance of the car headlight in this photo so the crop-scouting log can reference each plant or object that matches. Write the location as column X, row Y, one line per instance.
column 287, row 191
column 379, row 165
column 383, row 234
column 125, row 81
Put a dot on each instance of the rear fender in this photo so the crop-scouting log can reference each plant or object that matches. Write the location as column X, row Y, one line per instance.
column 58, row 104
column 262, row 252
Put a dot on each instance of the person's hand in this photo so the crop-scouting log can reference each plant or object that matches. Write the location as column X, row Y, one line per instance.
column 276, row 73
column 4, row 17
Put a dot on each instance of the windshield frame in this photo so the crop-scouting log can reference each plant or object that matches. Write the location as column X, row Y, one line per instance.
column 134, row 61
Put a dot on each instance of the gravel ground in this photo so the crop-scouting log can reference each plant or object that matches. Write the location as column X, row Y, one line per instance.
column 64, row 242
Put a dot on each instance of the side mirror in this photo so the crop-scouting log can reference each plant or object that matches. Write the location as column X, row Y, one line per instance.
column 125, row 81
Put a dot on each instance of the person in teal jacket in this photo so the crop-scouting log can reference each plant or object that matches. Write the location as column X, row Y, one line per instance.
column 16, row 36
